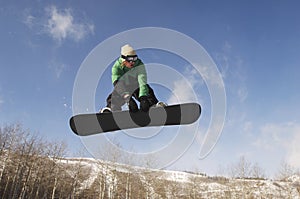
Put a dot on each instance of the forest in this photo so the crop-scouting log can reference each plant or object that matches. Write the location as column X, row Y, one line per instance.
column 31, row 167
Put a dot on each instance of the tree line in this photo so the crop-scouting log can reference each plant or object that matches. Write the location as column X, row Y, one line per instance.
column 31, row 167
column 26, row 166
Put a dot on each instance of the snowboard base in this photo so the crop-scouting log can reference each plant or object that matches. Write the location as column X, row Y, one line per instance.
column 94, row 123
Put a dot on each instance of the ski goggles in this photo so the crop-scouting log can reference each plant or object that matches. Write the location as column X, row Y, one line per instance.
column 130, row 58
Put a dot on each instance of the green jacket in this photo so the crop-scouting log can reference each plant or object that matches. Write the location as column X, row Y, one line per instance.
column 135, row 77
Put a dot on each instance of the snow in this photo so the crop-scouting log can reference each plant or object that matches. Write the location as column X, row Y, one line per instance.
column 204, row 186
column 294, row 179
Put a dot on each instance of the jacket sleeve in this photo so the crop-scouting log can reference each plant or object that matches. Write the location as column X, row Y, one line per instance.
column 117, row 81
column 116, row 72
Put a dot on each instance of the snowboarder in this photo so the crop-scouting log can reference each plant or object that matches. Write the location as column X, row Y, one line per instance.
column 129, row 78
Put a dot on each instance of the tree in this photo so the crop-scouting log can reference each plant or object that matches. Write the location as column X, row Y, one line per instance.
column 285, row 171
column 241, row 169
column 257, row 172
column 245, row 169
column 29, row 164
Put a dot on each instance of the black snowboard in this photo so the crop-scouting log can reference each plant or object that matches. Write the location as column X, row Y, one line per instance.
column 94, row 123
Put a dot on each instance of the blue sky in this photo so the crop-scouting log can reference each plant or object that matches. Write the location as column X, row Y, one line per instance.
column 254, row 44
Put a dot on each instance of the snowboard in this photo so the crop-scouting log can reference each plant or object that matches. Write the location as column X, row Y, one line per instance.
column 95, row 123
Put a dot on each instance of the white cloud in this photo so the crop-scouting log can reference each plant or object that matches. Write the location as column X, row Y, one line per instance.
column 293, row 148
column 183, row 90
column 30, row 21
column 232, row 69
column 211, row 76
column 181, row 93
column 242, row 93
column 283, row 137
column 1, row 101
column 226, row 47
column 247, row 126
column 270, row 137
column 224, row 58
column 58, row 68
column 61, row 25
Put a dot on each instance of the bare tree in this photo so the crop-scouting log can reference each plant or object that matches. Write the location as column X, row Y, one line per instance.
column 257, row 172
column 31, row 156
column 56, row 151
column 17, row 151
column 102, row 179
column 9, row 135
column 29, row 166
column 285, row 171
column 242, row 169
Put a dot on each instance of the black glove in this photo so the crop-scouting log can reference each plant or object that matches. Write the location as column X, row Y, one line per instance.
column 144, row 104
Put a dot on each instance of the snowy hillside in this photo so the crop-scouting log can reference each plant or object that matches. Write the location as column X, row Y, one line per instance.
column 111, row 180
column 32, row 168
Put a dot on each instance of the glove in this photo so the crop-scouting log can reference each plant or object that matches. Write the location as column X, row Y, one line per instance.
column 144, row 104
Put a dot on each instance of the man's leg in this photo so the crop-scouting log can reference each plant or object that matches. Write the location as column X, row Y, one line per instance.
column 115, row 101
column 146, row 101
column 151, row 97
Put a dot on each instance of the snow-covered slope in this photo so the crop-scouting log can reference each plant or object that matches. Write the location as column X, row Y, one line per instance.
column 176, row 184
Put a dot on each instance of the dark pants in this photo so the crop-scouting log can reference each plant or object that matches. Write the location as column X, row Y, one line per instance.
column 115, row 101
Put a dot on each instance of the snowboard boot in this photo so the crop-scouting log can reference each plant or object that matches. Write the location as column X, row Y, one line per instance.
column 160, row 104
